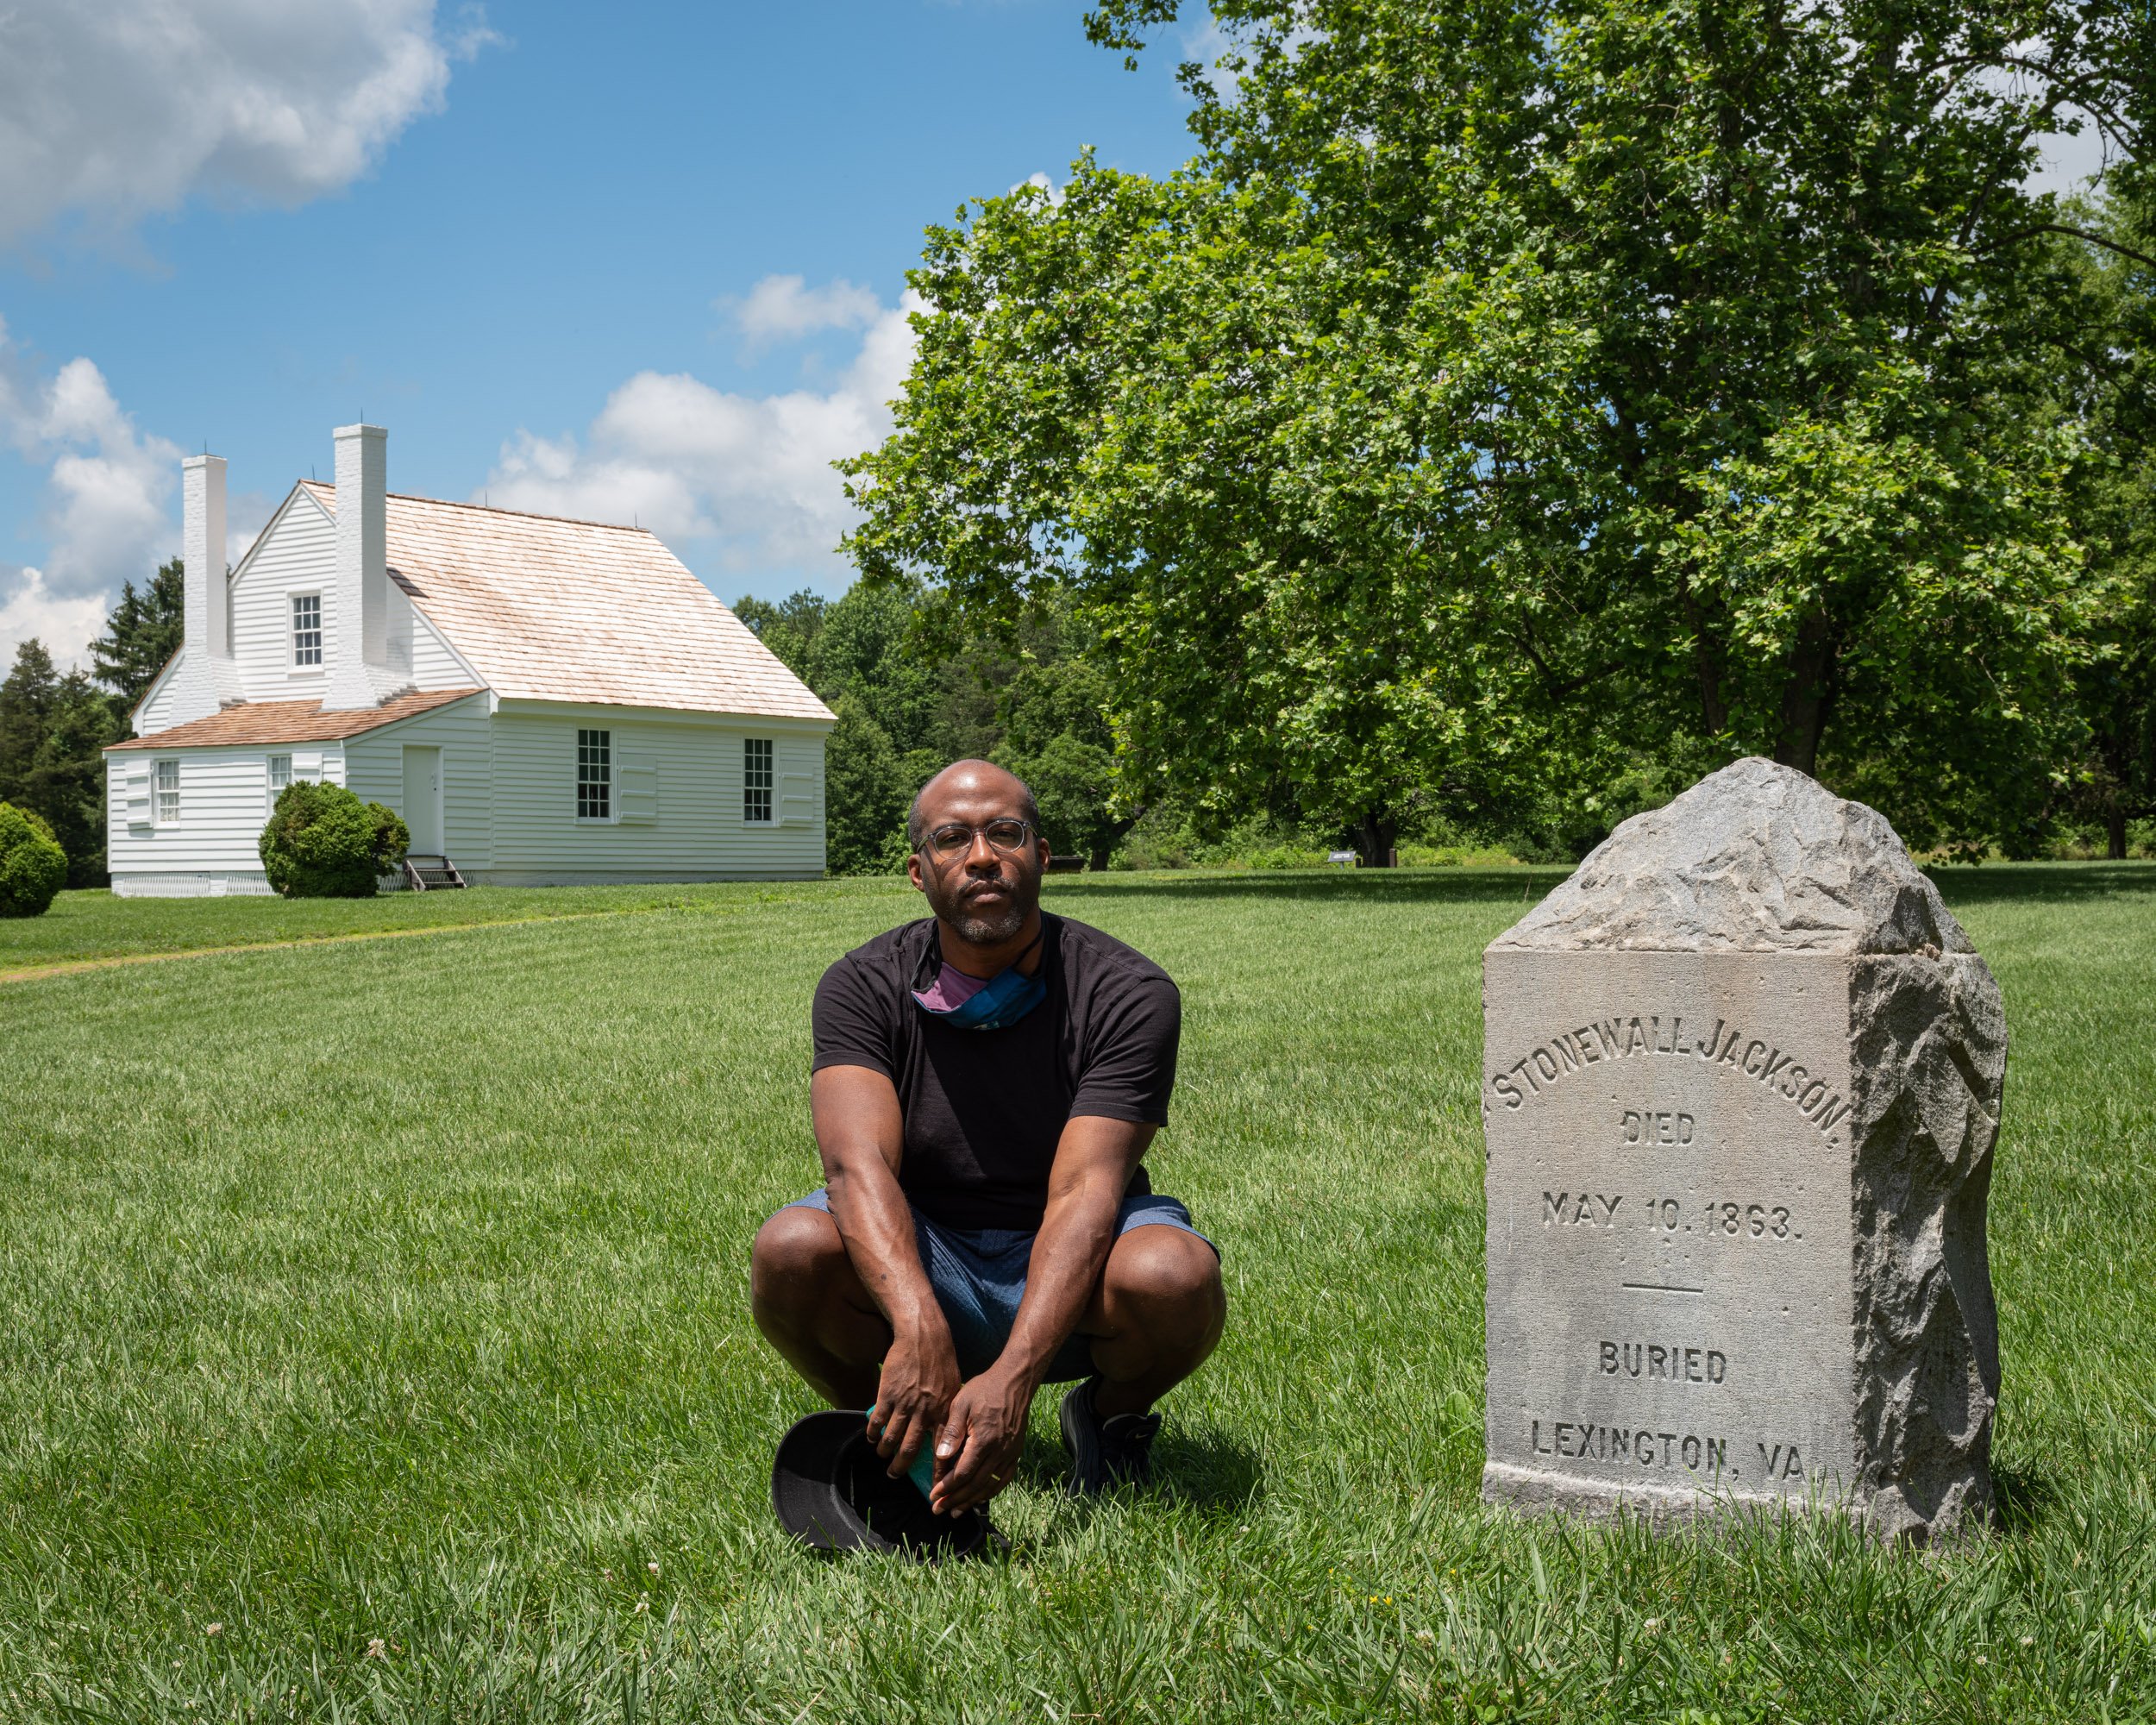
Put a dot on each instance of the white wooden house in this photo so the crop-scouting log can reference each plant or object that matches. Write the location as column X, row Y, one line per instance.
column 545, row 701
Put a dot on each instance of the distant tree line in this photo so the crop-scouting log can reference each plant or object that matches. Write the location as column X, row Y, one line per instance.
column 1511, row 411
column 53, row 725
column 910, row 697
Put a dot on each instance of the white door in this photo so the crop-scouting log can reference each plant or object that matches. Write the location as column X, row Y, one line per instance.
column 422, row 799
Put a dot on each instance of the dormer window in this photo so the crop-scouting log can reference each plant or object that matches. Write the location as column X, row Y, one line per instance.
column 306, row 631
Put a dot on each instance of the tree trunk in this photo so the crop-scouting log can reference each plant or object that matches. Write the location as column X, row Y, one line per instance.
column 2114, row 832
column 1373, row 837
column 1706, row 662
column 1104, row 844
column 1804, row 695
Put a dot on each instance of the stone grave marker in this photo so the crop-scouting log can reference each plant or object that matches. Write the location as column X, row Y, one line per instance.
column 1741, row 1081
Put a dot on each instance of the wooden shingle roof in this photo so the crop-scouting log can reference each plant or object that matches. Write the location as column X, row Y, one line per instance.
column 549, row 609
column 300, row 721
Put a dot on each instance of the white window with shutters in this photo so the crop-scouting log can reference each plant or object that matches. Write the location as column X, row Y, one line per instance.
column 281, row 774
column 168, row 794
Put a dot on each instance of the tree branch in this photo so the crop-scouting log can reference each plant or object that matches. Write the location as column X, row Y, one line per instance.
column 2075, row 233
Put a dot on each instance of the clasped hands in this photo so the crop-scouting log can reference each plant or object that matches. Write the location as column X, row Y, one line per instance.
column 978, row 1427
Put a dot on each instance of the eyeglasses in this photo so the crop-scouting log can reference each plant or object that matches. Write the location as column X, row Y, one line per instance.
column 1010, row 836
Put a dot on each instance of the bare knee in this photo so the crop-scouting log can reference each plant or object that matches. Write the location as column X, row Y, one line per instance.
column 1167, row 1282
column 795, row 1255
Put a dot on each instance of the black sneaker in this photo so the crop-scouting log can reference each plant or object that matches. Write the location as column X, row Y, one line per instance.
column 1105, row 1453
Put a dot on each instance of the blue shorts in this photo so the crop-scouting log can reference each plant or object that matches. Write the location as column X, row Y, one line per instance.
column 978, row 1275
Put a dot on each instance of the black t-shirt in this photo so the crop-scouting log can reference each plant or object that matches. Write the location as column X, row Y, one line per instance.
column 984, row 1108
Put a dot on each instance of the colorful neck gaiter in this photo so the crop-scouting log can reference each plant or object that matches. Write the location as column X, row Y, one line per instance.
column 966, row 1002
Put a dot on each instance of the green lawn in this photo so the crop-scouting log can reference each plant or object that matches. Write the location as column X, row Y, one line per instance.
column 84, row 926
column 390, row 1294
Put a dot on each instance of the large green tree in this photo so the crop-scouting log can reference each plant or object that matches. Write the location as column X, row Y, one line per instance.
column 141, row 634
column 1052, row 698
column 2107, row 387
column 1504, row 388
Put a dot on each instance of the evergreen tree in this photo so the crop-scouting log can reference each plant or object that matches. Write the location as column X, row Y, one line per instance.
column 69, row 779
column 27, row 695
column 142, row 633
column 51, row 731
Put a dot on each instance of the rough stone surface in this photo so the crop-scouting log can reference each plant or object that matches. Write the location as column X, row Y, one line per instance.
column 1742, row 1076
column 1755, row 858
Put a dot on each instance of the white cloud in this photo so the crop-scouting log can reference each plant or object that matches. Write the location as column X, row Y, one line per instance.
column 110, row 111
column 693, row 462
column 66, row 626
column 784, row 308
column 107, row 501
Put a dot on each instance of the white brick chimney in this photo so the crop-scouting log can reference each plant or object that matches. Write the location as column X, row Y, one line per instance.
column 208, row 676
column 208, row 619
column 358, row 612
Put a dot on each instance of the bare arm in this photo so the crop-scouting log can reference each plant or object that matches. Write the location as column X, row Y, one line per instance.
column 860, row 1135
column 981, row 1440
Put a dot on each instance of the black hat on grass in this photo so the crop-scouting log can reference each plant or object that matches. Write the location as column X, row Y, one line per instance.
column 833, row 1493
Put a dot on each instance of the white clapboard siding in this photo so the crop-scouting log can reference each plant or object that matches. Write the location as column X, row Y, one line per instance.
column 696, row 832
column 212, row 848
column 433, row 666
column 375, row 771
column 156, row 713
column 297, row 553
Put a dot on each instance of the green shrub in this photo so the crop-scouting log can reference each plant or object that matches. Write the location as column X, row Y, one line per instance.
column 1284, row 856
column 324, row 842
column 1454, row 855
column 33, row 867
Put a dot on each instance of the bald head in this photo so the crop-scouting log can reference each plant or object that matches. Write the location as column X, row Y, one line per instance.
column 972, row 790
column 984, row 895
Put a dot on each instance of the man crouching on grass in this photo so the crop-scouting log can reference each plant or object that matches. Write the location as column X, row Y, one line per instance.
column 986, row 1082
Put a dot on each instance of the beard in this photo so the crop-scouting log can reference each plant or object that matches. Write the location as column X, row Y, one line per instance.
column 987, row 927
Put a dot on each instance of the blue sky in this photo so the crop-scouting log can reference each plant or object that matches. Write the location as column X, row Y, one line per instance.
column 643, row 260
column 635, row 262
